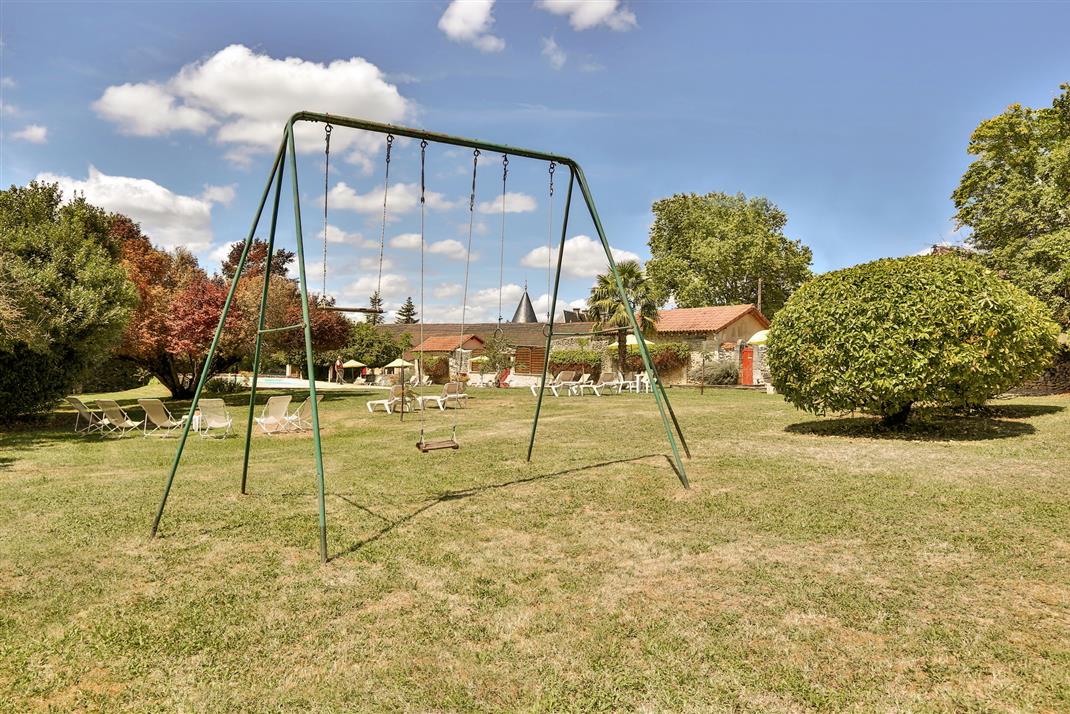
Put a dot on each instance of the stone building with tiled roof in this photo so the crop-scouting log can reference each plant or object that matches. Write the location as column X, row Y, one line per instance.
column 718, row 328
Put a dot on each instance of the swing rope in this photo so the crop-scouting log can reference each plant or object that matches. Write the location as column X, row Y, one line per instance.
column 326, row 179
column 549, row 239
column 467, row 264
column 420, row 357
column 501, row 247
column 382, row 231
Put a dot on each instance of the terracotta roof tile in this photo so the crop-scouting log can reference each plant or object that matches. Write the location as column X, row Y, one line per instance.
column 704, row 319
column 445, row 343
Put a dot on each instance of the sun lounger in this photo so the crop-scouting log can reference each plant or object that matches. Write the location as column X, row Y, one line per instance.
column 451, row 392
column 397, row 395
column 82, row 413
column 301, row 418
column 214, row 416
column 273, row 419
column 115, row 419
column 555, row 384
column 160, row 418
column 575, row 385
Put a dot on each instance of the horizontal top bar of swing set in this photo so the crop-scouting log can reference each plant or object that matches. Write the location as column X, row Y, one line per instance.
column 354, row 123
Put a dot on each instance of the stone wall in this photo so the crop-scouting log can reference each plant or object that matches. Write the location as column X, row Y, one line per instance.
column 1054, row 380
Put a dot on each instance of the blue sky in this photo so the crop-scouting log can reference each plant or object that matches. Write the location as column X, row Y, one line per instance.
column 852, row 117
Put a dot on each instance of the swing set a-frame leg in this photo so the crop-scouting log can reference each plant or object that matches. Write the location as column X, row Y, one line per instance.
column 261, row 321
column 276, row 167
column 668, row 416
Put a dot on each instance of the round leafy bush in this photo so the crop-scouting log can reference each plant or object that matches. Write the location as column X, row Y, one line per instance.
column 715, row 372
column 884, row 336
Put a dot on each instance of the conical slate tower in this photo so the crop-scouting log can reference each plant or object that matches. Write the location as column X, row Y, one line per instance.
column 524, row 311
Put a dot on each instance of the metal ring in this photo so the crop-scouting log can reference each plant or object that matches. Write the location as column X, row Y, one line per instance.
column 498, row 332
column 475, row 152
column 328, row 128
column 423, row 143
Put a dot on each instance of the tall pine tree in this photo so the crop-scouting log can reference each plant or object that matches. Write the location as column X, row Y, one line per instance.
column 406, row 315
column 375, row 302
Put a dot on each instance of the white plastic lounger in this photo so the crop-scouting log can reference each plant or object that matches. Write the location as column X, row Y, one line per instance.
column 451, row 392
column 394, row 400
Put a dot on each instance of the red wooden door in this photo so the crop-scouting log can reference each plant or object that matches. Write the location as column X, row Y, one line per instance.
column 746, row 367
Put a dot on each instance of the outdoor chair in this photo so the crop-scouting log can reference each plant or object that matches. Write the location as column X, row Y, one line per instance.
column 214, row 416
column 160, row 418
column 115, row 419
column 555, row 384
column 82, row 413
column 609, row 380
column 273, row 418
column 451, row 392
column 301, row 418
column 574, row 385
column 595, row 387
column 398, row 398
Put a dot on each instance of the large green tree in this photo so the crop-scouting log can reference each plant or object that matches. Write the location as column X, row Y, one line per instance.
column 606, row 308
column 1015, row 198
column 64, row 296
column 719, row 249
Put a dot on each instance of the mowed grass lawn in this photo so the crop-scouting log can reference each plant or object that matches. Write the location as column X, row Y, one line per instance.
column 813, row 565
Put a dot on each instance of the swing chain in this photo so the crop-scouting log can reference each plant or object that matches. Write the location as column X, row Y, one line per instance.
column 327, row 129
column 472, row 196
column 389, row 146
column 553, row 167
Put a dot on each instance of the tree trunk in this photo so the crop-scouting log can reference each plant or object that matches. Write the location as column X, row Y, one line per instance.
column 622, row 350
column 898, row 419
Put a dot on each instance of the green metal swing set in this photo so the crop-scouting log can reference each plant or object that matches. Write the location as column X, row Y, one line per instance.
column 287, row 152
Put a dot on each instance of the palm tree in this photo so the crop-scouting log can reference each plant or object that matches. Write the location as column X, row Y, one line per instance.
column 607, row 309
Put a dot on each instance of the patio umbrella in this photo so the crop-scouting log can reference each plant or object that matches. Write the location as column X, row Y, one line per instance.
column 759, row 338
column 401, row 364
column 631, row 341
column 353, row 363
column 398, row 363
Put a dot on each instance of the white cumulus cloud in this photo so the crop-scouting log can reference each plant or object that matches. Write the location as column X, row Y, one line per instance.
column 337, row 235
column 393, row 286
column 470, row 22
column 584, row 257
column 220, row 194
column 449, row 248
column 168, row 218
column 405, row 240
column 32, row 133
column 553, row 53
column 447, row 290
column 515, row 202
column 401, row 198
column 372, row 263
column 245, row 98
column 585, row 14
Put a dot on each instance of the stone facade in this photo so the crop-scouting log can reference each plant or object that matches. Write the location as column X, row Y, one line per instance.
column 1054, row 380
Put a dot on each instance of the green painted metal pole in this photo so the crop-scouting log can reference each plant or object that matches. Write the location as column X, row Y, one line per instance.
column 215, row 342
column 659, row 396
column 260, row 323
column 310, row 366
column 553, row 309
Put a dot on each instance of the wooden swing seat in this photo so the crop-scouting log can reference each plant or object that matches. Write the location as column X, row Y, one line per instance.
column 426, row 446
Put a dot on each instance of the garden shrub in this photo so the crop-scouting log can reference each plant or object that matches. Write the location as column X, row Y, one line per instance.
column 715, row 372
column 114, row 375
column 224, row 384
column 437, row 368
column 580, row 360
column 666, row 356
column 887, row 335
